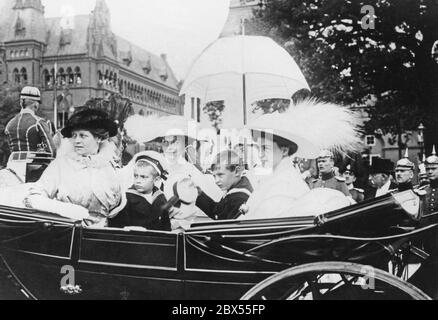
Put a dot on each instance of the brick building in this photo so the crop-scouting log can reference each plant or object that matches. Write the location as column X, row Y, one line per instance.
column 79, row 57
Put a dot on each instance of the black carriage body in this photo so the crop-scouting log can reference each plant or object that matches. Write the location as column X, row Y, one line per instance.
column 217, row 260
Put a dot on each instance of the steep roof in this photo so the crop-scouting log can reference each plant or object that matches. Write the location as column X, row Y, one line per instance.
column 143, row 59
column 140, row 59
column 78, row 36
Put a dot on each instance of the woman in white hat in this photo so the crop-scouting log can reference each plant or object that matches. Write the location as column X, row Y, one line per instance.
column 301, row 131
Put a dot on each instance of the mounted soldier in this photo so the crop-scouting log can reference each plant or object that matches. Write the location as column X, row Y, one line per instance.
column 26, row 131
column 30, row 140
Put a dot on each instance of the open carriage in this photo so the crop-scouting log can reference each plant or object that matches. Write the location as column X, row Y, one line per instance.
column 365, row 251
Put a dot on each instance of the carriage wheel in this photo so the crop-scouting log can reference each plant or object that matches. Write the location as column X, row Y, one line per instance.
column 333, row 280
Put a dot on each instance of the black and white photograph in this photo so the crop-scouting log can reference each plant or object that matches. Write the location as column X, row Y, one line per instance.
column 208, row 152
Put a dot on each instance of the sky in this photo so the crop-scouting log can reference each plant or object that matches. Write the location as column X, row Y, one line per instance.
column 179, row 28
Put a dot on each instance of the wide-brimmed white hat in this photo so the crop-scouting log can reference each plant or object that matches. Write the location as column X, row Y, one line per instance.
column 313, row 125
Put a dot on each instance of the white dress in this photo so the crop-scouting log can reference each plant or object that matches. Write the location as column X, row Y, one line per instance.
column 90, row 184
column 285, row 194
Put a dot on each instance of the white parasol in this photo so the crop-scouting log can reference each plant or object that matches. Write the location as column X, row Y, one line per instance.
column 242, row 70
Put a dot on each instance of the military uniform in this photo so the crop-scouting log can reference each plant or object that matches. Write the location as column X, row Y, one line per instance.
column 356, row 193
column 28, row 132
column 403, row 166
column 332, row 182
column 431, row 191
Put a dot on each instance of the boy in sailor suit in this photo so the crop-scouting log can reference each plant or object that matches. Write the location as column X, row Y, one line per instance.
column 144, row 201
column 228, row 173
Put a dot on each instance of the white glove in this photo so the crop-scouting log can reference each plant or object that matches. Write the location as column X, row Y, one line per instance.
column 67, row 210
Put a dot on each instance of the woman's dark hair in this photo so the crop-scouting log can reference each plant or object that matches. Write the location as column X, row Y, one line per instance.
column 283, row 143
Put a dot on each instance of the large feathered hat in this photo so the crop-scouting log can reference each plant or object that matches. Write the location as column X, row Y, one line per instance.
column 89, row 119
column 313, row 125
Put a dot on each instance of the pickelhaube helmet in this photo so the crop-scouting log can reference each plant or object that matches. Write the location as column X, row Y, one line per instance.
column 405, row 163
column 31, row 93
column 432, row 160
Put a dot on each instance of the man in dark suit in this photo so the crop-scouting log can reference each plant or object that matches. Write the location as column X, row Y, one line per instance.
column 380, row 178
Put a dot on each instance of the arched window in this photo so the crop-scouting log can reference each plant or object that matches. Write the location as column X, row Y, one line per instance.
column 16, row 76
column 23, row 73
column 26, row 53
column 70, row 76
column 100, row 76
column 46, row 78
column 106, row 77
column 141, row 112
column 110, row 79
column 52, row 76
column 121, row 86
column 61, row 77
column 78, row 76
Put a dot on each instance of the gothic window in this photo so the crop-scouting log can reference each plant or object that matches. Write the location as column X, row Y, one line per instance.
column 78, row 75
column 16, row 76
column 20, row 29
column 26, row 53
column 61, row 77
column 23, row 74
column 106, row 78
column 47, row 78
column 100, row 77
column 141, row 112
column 110, row 79
column 70, row 76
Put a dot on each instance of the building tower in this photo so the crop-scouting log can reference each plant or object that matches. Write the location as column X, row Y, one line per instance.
column 101, row 40
column 25, row 43
column 239, row 9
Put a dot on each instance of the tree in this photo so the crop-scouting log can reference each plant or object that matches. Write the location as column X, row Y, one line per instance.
column 214, row 110
column 389, row 69
column 9, row 107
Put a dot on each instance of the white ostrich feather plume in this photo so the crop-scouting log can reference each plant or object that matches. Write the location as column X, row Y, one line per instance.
column 142, row 129
column 314, row 125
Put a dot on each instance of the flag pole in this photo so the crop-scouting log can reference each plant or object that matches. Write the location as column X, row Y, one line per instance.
column 242, row 21
column 55, row 103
